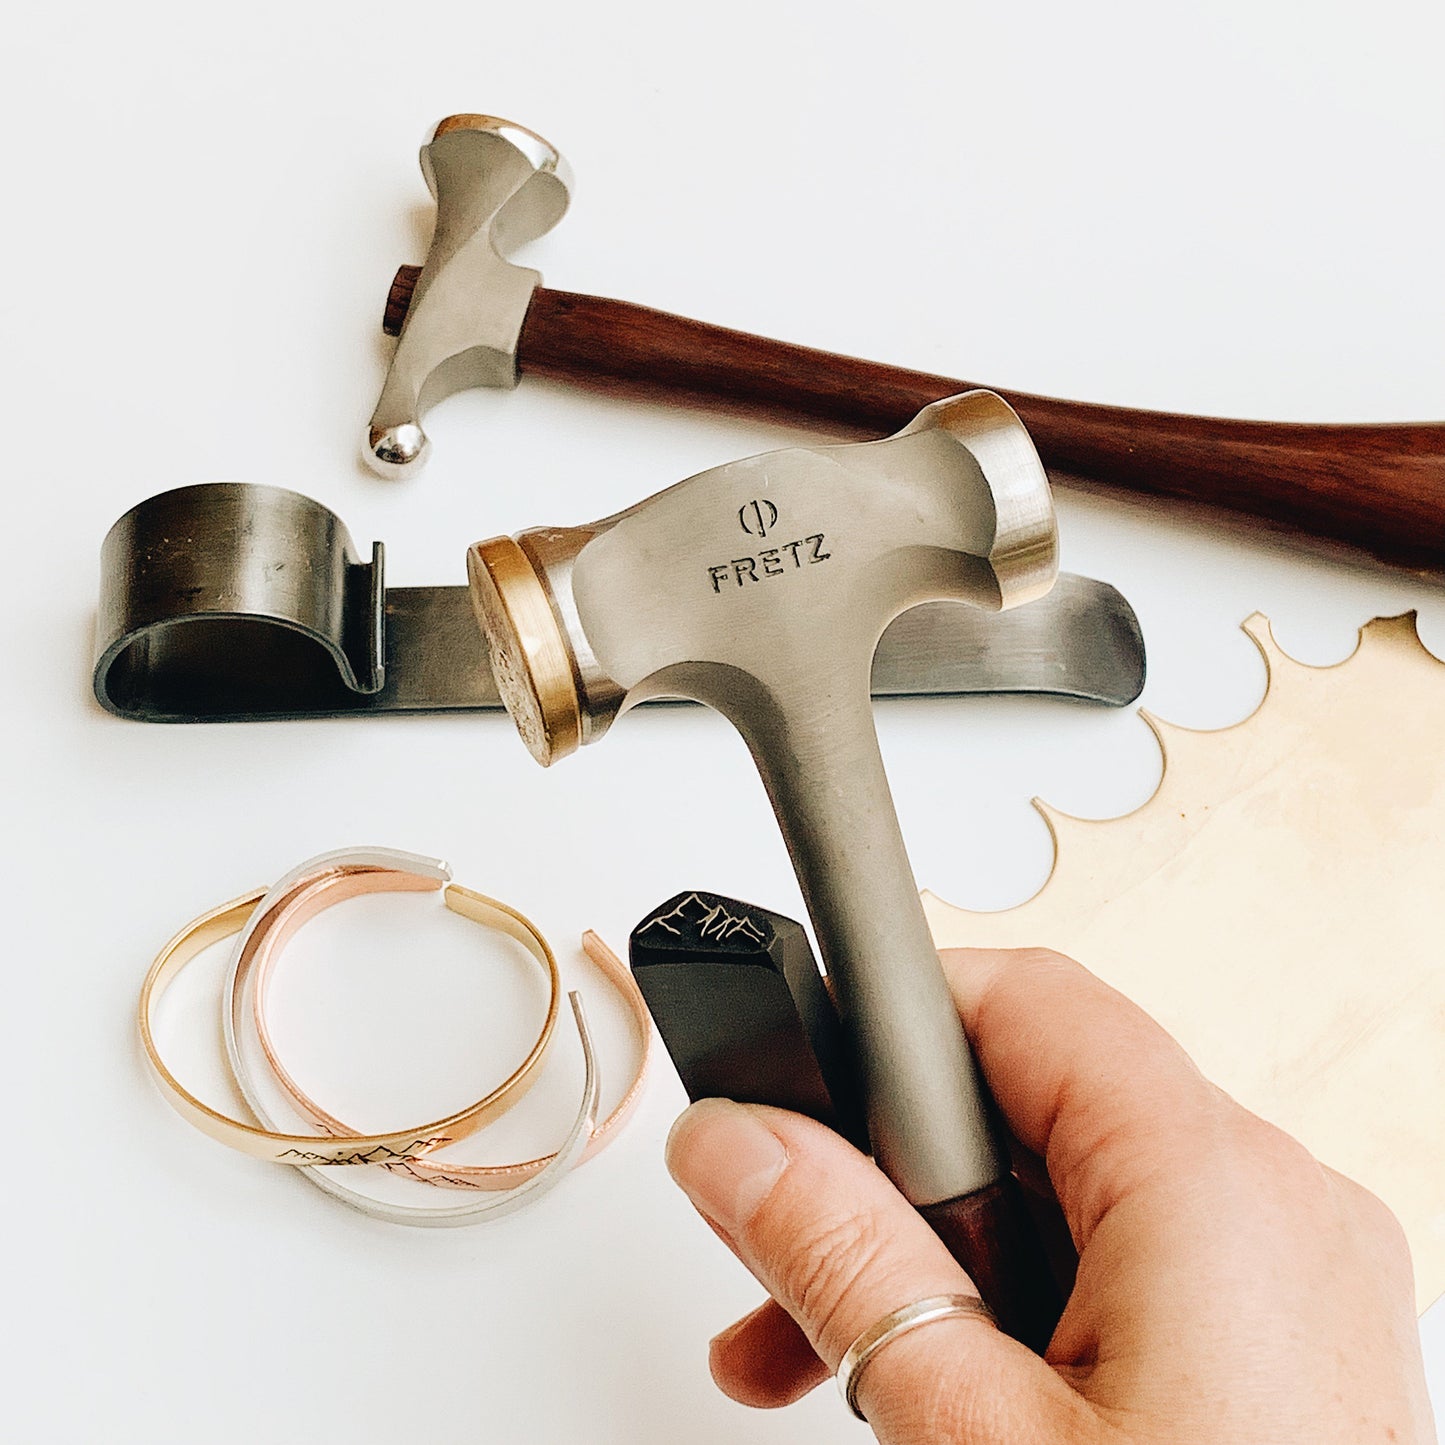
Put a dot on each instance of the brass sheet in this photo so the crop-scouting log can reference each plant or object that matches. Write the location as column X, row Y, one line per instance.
column 1278, row 904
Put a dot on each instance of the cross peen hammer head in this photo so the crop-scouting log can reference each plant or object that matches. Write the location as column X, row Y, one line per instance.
column 761, row 588
column 768, row 578
column 497, row 186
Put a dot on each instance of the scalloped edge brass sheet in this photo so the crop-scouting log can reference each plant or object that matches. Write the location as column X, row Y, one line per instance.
column 1278, row 905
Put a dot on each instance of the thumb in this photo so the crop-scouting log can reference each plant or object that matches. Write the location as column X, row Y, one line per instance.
column 838, row 1248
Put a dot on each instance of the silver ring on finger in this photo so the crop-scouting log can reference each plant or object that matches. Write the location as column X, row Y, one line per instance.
column 899, row 1322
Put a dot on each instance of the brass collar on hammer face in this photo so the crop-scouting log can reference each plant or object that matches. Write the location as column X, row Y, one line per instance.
column 531, row 660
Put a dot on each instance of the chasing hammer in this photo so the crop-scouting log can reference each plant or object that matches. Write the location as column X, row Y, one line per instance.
column 469, row 317
column 761, row 588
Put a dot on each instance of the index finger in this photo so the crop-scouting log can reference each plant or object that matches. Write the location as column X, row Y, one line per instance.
column 1086, row 1079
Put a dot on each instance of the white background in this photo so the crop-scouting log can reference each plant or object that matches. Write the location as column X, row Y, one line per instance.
column 1233, row 208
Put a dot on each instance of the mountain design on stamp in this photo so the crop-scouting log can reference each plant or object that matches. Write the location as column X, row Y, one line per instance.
column 706, row 920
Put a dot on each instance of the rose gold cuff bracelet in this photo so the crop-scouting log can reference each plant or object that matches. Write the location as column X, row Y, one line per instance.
column 264, row 922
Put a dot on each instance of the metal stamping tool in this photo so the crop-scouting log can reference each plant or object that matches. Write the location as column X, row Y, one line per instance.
column 230, row 602
column 737, row 997
column 761, row 588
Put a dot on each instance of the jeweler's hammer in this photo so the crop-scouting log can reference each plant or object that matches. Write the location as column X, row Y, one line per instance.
column 469, row 317
column 761, row 588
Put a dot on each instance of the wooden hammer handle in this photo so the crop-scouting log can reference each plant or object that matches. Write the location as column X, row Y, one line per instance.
column 994, row 1237
column 1377, row 488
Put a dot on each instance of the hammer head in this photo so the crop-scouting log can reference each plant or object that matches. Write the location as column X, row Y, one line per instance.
column 765, row 582
column 762, row 588
column 497, row 186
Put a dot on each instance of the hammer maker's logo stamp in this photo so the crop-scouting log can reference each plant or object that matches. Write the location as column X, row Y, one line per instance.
column 758, row 518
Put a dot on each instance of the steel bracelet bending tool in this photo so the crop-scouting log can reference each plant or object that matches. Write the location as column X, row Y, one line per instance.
column 254, row 956
column 584, row 622
column 228, row 602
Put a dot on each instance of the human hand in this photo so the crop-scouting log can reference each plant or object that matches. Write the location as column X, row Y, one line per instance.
column 1230, row 1288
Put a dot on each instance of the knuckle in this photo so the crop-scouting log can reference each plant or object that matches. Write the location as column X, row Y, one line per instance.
column 1373, row 1233
column 1261, row 1141
column 1372, row 1216
column 1278, row 1162
column 1264, row 1160
column 1049, row 959
column 978, row 1413
column 829, row 1257
column 1042, row 964
column 1024, row 971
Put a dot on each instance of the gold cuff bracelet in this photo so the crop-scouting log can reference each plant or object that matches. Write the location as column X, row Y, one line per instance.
column 284, row 915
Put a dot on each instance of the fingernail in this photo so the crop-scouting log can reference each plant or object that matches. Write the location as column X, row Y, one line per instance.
column 725, row 1159
column 723, row 1336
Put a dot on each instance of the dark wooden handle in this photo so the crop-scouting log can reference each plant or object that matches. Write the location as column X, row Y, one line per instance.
column 1376, row 488
column 398, row 299
column 992, row 1234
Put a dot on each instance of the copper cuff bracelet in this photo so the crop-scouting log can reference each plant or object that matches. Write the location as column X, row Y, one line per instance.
column 264, row 920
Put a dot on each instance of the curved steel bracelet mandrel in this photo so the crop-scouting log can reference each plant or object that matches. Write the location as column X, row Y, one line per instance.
column 231, row 602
